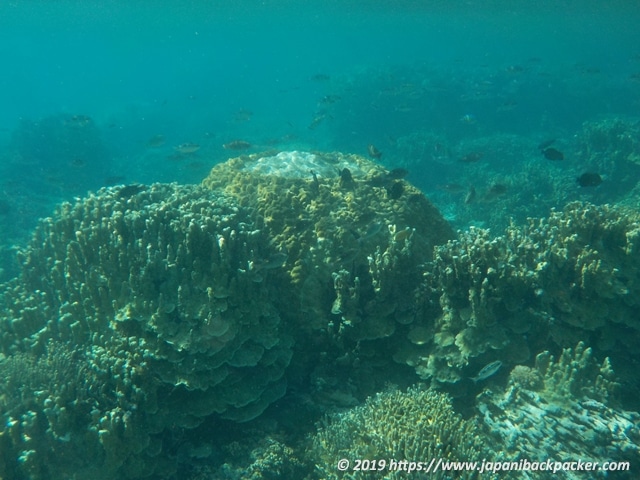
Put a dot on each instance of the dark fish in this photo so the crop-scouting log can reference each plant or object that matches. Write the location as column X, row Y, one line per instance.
column 487, row 371
column 589, row 180
column 237, row 145
column 551, row 153
column 395, row 190
column 471, row 157
column 546, row 143
column 131, row 190
column 374, row 152
column 346, row 178
column 397, row 173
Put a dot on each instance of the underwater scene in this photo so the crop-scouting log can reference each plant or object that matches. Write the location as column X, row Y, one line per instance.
column 316, row 240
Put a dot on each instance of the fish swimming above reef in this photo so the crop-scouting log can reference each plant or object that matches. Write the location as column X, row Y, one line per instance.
column 237, row 145
column 470, row 197
column 374, row 152
column 589, row 179
column 397, row 173
column 471, row 157
column 487, row 371
column 187, row 148
column 554, row 154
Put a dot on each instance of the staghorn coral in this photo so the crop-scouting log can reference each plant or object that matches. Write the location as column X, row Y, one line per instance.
column 417, row 425
column 162, row 289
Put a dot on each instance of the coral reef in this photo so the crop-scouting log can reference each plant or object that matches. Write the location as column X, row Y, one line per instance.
column 565, row 414
column 355, row 236
column 417, row 425
column 154, row 286
column 570, row 277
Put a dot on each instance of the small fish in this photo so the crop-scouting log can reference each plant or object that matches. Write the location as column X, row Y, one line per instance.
column 470, row 196
column 346, row 178
column 237, row 145
column 397, row 173
column 468, row 119
column 273, row 261
column 374, row 152
column 131, row 190
column 155, row 141
column 496, row 190
column 487, row 371
column 317, row 120
column 242, row 115
column 371, row 232
column 395, row 190
column 589, row 180
column 554, row 154
column 187, row 148
column 471, row 157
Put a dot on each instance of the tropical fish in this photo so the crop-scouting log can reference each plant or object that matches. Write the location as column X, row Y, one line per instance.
column 130, row 190
column 470, row 196
column 554, row 154
column 487, row 371
column 495, row 191
column 187, row 148
column 471, row 157
column 242, row 115
column 237, row 145
column 374, row 152
column 589, row 180
column 395, row 190
column 397, row 173
column 155, row 141
column 468, row 119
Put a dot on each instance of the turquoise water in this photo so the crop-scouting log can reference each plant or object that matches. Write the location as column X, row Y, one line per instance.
column 474, row 99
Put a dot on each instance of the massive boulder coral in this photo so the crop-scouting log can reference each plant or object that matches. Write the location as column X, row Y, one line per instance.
column 159, row 290
column 354, row 233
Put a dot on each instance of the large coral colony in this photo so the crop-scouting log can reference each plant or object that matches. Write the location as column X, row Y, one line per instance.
column 144, row 312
